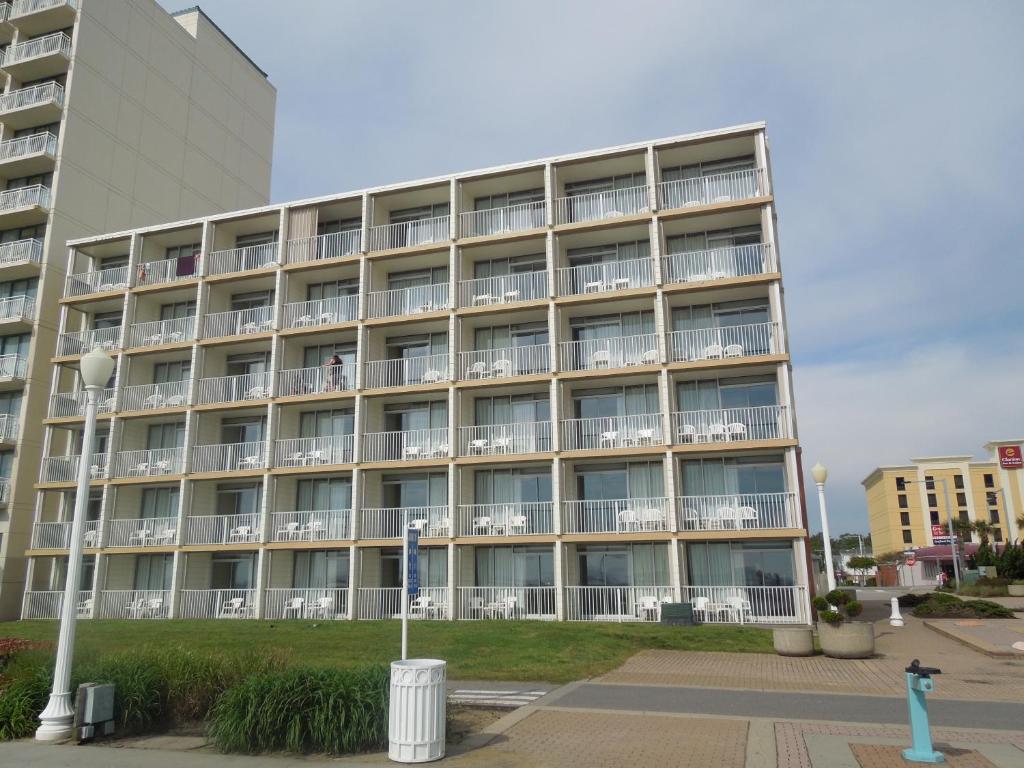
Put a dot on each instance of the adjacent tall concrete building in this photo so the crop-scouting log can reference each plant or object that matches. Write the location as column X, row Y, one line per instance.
column 114, row 114
column 572, row 375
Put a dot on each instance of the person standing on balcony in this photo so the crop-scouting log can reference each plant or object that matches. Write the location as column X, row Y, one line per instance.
column 331, row 374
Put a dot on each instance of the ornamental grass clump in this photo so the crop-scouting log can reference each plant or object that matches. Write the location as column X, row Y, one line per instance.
column 837, row 606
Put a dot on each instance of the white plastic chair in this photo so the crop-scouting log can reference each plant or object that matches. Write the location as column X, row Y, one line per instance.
column 477, row 370
column 700, row 607
column 725, row 517
column 482, row 525
column 601, row 358
column 139, row 537
column 746, row 515
column 734, row 350
column 649, row 608
column 288, row 532
column 691, row 519
column 713, row 352
column 687, row 433
column 737, row 431
column 611, row 437
column 84, row 608
column 517, row 524
column 430, row 377
column 650, row 357
column 293, row 606
column 165, row 537
column 232, row 609
column 478, row 446
column 240, row 533
column 501, row 368
column 717, row 432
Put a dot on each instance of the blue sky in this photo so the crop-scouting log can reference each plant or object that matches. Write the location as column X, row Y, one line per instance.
column 898, row 160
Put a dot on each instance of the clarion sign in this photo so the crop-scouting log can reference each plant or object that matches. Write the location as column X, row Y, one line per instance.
column 1010, row 457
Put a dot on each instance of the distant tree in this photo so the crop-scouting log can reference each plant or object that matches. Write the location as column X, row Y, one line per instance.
column 983, row 529
column 861, row 563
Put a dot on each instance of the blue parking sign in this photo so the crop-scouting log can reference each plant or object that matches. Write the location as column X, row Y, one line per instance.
column 413, row 565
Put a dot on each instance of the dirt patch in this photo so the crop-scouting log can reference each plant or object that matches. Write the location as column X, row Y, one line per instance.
column 464, row 721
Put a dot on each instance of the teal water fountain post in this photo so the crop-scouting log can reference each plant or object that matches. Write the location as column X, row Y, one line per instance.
column 919, row 682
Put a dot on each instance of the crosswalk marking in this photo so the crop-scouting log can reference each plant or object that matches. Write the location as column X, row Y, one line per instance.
column 511, row 699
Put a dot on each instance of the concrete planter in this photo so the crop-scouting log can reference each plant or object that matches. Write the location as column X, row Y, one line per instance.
column 794, row 641
column 849, row 640
column 1015, row 590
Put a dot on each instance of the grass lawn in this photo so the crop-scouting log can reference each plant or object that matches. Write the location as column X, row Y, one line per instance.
column 555, row 652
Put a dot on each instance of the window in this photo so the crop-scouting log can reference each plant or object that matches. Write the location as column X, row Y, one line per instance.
column 177, row 310
column 419, row 213
column 961, row 499
column 160, row 502
column 247, row 364
column 748, row 563
column 932, row 500
column 239, row 499
column 515, row 265
column 257, row 238
column 904, row 518
column 997, row 534
column 993, row 516
column 321, row 569
column 332, row 290
column 161, row 436
column 419, row 490
column 934, row 515
column 327, row 423
column 623, row 565
column 901, row 484
column 232, row 571
column 506, row 199
column 317, row 355
column 324, row 494
column 908, row 537
column 902, row 502
column 992, row 499
column 958, row 481
column 929, row 482
column 246, row 429
column 175, row 370
column 252, row 300
column 153, row 572
column 990, row 481
column 522, row 566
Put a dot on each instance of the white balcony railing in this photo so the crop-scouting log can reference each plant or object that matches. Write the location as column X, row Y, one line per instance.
column 321, row 603
column 743, row 605
column 64, row 469
column 410, row 233
column 5, row 11
column 376, row 603
column 406, row 445
column 32, row 96
column 314, row 451
column 57, row 43
column 162, row 332
column 614, row 352
column 238, row 322
column 26, row 7
column 537, row 603
column 638, row 515
column 504, row 289
column 707, row 190
column 64, row 405
column 95, row 281
column 612, row 432
column 80, row 342
column 737, row 511
column 18, row 308
column 29, row 251
column 13, row 367
column 25, row 197
column 166, row 271
column 229, row 457
column 718, row 263
column 243, row 259
column 516, row 518
column 308, row 314
column 9, row 426
column 231, row 389
column 593, row 206
column 764, row 422
column 35, row 144
column 322, row 378
column 725, row 342
column 503, row 363
column 426, row 369
column 312, row 525
column 609, row 276
column 628, row 603
column 511, row 218
column 501, row 439
column 331, row 246
column 47, row 605
column 408, row 301
column 57, row 535
column 148, row 463
column 223, row 529
column 142, row 532
column 5, row 490
column 388, row 522
column 217, row 604
column 145, row 397
column 134, row 604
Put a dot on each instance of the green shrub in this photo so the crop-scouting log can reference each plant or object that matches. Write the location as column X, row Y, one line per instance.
column 854, row 608
column 22, row 698
column 942, row 606
column 840, row 597
column 304, row 711
column 821, row 604
column 912, row 599
column 831, row 617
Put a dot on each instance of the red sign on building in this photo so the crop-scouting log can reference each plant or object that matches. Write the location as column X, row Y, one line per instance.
column 1010, row 457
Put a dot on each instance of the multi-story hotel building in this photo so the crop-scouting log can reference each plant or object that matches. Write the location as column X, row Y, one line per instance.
column 113, row 114
column 571, row 375
column 907, row 506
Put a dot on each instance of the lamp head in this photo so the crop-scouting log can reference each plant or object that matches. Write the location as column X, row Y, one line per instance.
column 96, row 367
column 819, row 473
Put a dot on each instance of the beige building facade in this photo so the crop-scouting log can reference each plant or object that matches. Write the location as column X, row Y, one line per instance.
column 571, row 375
column 114, row 114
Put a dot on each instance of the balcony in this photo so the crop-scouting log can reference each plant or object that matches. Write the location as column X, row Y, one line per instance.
column 637, row 515
column 223, row 529
column 229, row 457
column 518, row 518
column 389, row 522
column 718, row 263
column 239, row 322
column 534, row 603
column 376, row 603
column 310, row 314
column 410, row 234
column 217, row 604
column 726, row 425
column 332, row 246
column 5, row 490
column 9, row 426
column 68, row 405
column 404, row 372
column 28, row 155
column 48, row 604
column 595, row 206
column 158, row 462
column 20, row 258
column 34, row 16
column 406, row 445
column 711, row 190
column 738, row 512
column 98, row 281
column 505, row 363
column 626, row 603
column 148, row 397
column 501, row 221
column 20, row 309
column 505, row 439
column 322, row 378
column 35, row 105
column 606, row 354
column 64, row 469
column 13, row 368
column 322, row 603
column 158, row 332
column 166, row 271
column 233, row 389
column 505, row 289
column 245, row 259
column 609, row 276
column 408, row 301
column 748, row 605
column 56, row 535
column 38, row 58
column 611, row 432
column 24, row 206
column 134, row 604
column 313, row 525
column 142, row 532
column 725, row 342
column 314, row 451
column 80, row 342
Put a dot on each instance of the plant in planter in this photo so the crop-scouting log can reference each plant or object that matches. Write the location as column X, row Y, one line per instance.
column 1015, row 588
column 840, row 636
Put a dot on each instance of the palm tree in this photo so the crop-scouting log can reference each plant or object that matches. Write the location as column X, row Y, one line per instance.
column 962, row 528
column 983, row 529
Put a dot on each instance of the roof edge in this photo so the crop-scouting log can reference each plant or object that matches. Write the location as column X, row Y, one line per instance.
column 225, row 35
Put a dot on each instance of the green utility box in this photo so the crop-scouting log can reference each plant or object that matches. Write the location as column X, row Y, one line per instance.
column 678, row 614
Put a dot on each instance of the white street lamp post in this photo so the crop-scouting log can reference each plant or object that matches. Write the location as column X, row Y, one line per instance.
column 57, row 719
column 820, row 475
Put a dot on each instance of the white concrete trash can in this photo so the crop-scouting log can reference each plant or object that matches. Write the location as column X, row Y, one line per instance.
column 416, row 716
